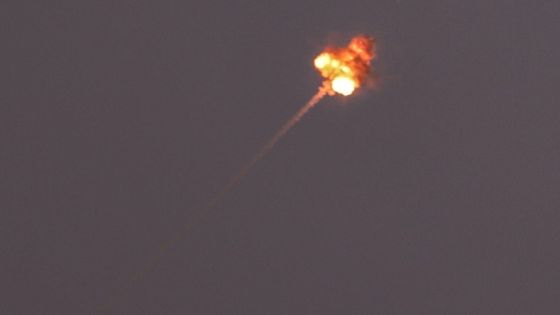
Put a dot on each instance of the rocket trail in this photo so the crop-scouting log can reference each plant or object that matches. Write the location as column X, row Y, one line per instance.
column 199, row 211
column 322, row 92
column 278, row 135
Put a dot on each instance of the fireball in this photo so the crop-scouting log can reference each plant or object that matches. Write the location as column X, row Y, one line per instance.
column 344, row 69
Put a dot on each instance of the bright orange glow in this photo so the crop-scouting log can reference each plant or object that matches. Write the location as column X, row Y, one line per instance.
column 345, row 69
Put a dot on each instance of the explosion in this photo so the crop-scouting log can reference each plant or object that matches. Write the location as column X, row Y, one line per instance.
column 345, row 69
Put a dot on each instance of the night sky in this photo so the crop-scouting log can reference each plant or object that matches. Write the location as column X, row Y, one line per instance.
column 437, row 192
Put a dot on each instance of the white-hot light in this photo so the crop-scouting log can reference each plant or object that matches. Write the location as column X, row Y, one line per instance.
column 343, row 85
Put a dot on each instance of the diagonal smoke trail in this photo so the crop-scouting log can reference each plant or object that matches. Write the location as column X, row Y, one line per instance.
column 197, row 213
column 272, row 142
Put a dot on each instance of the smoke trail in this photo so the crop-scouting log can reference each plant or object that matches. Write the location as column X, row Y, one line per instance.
column 323, row 90
column 197, row 212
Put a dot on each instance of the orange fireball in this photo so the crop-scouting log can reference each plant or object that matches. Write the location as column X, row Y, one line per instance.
column 344, row 69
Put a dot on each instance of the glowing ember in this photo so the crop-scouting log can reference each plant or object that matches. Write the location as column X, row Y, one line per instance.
column 345, row 69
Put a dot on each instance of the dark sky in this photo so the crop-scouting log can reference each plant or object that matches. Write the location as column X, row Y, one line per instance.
column 436, row 193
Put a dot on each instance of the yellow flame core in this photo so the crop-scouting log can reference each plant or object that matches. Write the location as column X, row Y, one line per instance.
column 345, row 68
column 322, row 60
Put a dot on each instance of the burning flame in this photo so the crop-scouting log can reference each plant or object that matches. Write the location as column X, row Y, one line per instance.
column 344, row 69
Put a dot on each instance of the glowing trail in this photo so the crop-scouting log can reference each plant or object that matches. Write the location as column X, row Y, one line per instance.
column 199, row 211
column 323, row 90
